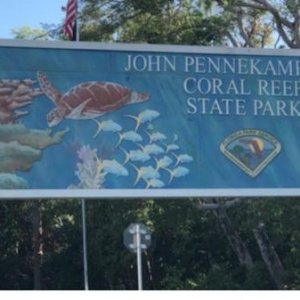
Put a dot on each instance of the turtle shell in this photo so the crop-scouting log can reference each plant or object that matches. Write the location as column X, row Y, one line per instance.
column 100, row 97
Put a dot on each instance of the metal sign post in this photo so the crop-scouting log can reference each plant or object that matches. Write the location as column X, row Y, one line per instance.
column 139, row 256
column 85, row 264
column 136, row 238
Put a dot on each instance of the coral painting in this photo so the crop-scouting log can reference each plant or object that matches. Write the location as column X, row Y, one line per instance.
column 14, row 95
column 20, row 147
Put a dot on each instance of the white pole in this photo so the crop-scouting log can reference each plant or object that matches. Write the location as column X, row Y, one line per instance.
column 85, row 264
column 139, row 257
column 85, row 260
column 77, row 22
column 77, row 30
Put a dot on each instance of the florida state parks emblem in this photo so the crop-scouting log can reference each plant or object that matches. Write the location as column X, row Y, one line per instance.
column 251, row 150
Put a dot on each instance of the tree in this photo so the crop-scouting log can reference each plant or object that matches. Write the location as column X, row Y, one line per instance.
column 260, row 23
column 161, row 21
column 29, row 33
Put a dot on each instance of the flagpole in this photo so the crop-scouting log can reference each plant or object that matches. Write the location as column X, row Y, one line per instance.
column 77, row 30
column 77, row 23
column 71, row 29
column 83, row 215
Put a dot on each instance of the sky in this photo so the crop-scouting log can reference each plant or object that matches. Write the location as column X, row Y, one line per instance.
column 15, row 14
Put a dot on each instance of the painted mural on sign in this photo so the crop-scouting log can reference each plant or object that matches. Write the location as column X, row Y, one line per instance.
column 147, row 119
column 146, row 155
column 134, row 146
column 20, row 147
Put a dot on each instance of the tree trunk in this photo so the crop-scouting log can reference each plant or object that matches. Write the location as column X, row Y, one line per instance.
column 269, row 255
column 149, row 267
column 37, row 243
column 234, row 238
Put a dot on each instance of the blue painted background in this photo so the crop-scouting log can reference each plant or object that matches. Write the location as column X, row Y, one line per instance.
column 198, row 136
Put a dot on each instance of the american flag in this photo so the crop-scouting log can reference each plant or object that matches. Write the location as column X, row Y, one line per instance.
column 70, row 21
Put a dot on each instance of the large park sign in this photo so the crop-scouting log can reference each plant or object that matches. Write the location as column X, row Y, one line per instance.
column 113, row 120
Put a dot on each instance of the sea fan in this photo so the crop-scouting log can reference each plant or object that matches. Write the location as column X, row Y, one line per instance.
column 87, row 170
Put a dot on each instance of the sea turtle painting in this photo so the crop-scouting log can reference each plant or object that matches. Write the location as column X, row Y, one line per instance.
column 87, row 100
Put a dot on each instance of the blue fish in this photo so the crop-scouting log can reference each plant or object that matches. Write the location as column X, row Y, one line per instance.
column 112, row 167
column 135, row 155
column 108, row 126
column 155, row 183
column 129, row 136
column 152, row 149
column 183, row 158
column 178, row 172
column 163, row 162
column 172, row 147
column 145, row 116
column 156, row 136
column 145, row 173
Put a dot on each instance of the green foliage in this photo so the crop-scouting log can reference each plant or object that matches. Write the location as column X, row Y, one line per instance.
column 62, row 244
column 28, row 33
column 189, row 249
column 160, row 21
column 15, row 245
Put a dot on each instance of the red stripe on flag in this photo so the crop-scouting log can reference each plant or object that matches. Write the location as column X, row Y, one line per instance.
column 69, row 24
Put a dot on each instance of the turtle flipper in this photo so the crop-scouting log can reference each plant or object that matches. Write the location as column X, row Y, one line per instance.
column 91, row 114
column 55, row 116
column 77, row 112
column 48, row 89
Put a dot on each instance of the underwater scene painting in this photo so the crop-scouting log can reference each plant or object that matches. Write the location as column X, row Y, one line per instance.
column 95, row 119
